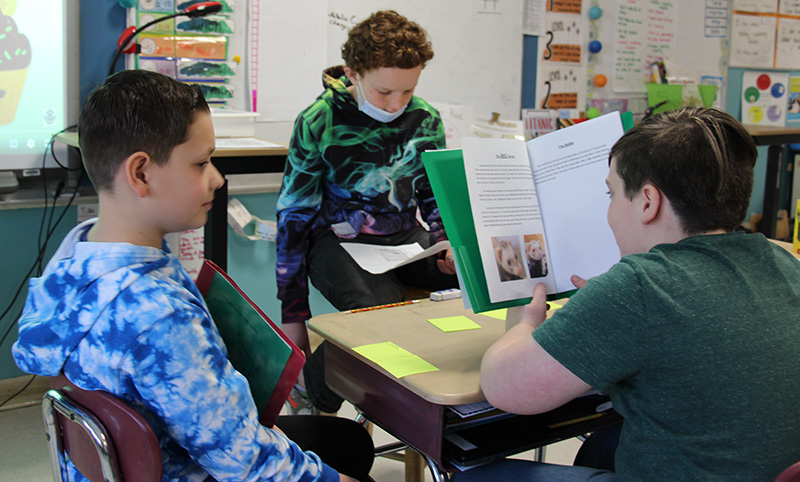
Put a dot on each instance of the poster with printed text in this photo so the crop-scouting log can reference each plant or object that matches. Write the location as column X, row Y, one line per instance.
column 561, row 72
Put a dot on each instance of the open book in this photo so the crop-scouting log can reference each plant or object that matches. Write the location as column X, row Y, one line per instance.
column 257, row 348
column 521, row 213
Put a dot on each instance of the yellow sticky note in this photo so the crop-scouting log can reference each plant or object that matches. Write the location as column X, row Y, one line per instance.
column 395, row 360
column 499, row 314
column 454, row 323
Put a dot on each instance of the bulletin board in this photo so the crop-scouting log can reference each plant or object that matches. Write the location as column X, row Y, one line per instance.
column 635, row 32
column 477, row 46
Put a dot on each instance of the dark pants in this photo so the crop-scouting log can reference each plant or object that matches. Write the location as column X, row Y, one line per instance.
column 346, row 286
column 342, row 444
column 599, row 449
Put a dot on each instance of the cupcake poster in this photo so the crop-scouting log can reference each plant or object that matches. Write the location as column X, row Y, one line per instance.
column 15, row 57
column 764, row 98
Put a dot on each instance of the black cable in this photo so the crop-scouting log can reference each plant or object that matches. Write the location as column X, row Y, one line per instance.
column 53, row 152
column 47, row 232
column 36, row 263
column 33, row 377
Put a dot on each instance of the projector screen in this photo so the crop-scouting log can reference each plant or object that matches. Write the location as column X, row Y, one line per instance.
column 38, row 80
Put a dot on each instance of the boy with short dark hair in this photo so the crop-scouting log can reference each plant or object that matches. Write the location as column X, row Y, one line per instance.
column 694, row 334
column 115, row 311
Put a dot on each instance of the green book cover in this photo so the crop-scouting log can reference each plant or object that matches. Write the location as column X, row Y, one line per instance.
column 449, row 183
column 257, row 348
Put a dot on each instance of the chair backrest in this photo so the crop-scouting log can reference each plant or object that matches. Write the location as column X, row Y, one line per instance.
column 789, row 474
column 103, row 437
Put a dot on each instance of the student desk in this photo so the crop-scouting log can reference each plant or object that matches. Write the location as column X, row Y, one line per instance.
column 233, row 160
column 775, row 138
column 413, row 409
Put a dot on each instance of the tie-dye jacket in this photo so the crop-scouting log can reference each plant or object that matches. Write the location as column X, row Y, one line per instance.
column 128, row 320
column 345, row 167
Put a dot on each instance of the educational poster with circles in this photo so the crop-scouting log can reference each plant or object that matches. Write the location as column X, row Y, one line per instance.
column 764, row 98
column 561, row 72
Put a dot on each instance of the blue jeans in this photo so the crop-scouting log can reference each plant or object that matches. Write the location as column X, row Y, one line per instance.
column 527, row 471
column 346, row 286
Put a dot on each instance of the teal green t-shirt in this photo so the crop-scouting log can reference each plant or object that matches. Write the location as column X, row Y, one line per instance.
column 698, row 345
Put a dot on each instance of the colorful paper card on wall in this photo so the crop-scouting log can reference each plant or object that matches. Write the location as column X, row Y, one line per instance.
column 164, row 27
column 202, row 47
column 564, row 6
column 793, row 109
column 764, row 98
column 157, row 45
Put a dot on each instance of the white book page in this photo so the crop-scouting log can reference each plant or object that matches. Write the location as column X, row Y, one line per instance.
column 571, row 166
column 506, row 214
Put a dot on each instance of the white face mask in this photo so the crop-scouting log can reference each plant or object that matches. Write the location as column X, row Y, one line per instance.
column 376, row 113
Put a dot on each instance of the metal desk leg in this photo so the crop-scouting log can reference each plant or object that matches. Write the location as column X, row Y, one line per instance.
column 414, row 466
column 438, row 476
column 772, row 189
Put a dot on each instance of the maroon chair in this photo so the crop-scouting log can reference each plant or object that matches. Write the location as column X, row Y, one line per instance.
column 789, row 474
column 103, row 437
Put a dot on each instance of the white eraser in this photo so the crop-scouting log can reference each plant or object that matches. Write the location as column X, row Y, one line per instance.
column 445, row 294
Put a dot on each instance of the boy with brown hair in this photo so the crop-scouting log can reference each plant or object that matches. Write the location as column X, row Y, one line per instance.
column 354, row 174
column 115, row 311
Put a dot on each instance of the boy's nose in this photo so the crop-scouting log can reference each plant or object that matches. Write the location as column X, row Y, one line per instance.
column 395, row 105
column 217, row 179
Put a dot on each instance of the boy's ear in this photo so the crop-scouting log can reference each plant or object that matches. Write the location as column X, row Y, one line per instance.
column 351, row 74
column 137, row 171
column 651, row 205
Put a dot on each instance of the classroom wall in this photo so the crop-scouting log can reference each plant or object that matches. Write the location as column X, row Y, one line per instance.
column 20, row 231
column 101, row 22
column 251, row 264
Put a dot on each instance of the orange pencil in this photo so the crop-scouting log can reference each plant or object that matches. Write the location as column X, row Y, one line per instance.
column 380, row 307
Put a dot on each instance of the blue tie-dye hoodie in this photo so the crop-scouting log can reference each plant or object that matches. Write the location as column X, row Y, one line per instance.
column 128, row 320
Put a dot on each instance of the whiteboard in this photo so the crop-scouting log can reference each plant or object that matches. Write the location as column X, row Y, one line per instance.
column 477, row 51
column 699, row 44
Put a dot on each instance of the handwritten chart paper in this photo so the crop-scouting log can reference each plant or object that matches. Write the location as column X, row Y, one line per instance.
column 766, row 34
column 395, row 360
column 787, row 47
column 753, row 41
column 647, row 34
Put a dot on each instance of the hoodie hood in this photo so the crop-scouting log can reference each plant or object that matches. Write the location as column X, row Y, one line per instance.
column 79, row 283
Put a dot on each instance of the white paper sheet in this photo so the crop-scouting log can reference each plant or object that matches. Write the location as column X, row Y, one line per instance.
column 377, row 259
